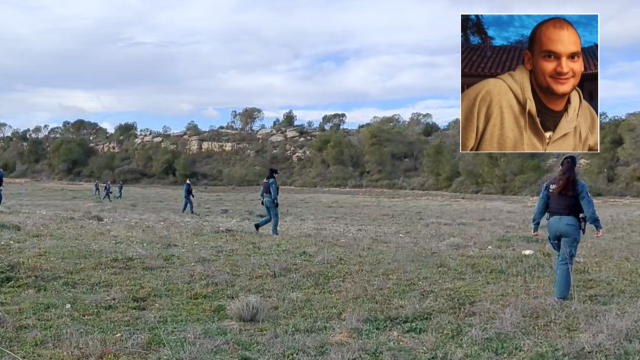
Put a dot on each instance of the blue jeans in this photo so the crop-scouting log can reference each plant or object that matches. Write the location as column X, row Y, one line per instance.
column 119, row 195
column 107, row 195
column 272, row 214
column 189, row 202
column 0, row 196
column 564, row 236
column 96, row 192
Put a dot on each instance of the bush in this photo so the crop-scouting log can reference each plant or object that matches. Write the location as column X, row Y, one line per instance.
column 248, row 309
column 107, row 175
column 68, row 154
column 21, row 171
column 129, row 174
column 8, row 166
column 241, row 176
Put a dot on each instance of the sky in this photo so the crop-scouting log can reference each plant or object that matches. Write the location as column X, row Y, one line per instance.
column 166, row 62
column 506, row 28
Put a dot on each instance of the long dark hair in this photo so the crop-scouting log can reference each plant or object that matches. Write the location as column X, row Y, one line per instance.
column 272, row 173
column 567, row 179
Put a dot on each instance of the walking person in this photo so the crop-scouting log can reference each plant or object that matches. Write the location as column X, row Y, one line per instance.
column 96, row 189
column 107, row 191
column 120, row 186
column 269, row 195
column 188, row 194
column 565, row 198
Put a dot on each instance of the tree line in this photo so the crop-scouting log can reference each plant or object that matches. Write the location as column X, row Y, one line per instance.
column 387, row 152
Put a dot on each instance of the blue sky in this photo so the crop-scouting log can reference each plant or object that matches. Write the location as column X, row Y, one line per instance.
column 508, row 27
column 167, row 63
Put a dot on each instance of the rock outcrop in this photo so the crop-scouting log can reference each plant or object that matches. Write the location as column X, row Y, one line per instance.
column 265, row 133
column 277, row 138
column 108, row 147
column 197, row 145
column 296, row 153
column 291, row 134
column 296, row 139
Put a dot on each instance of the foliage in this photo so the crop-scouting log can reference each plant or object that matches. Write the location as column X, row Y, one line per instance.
column 246, row 119
column 192, row 128
column 333, row 121
column 474, row 30
column 289, row 119
column 127, row 130
column 388, row 152
column 68, row 155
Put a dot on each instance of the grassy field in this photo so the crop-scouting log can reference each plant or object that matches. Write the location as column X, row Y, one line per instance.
column 355, row 275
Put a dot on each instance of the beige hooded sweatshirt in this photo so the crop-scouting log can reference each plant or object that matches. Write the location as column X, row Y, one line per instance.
column 500, row 115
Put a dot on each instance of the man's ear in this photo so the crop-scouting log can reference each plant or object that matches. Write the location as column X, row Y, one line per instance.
column 528, row 60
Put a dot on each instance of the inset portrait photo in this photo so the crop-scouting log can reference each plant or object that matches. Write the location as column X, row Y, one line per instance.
column 529, row 83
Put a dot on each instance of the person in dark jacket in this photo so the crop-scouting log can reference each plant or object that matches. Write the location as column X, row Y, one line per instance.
column 269, row 195
column 96, row 188
column 107, row 191
column 120, row 186
column 188, row 194
column 565, row 198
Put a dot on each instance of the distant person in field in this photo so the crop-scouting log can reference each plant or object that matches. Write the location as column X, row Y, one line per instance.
column 1, row 184
column 96, row 188
column 537, row 107
column 188, row 194
column 565, row 198
column 269, row 195
column 107, row 191
column 120, row 186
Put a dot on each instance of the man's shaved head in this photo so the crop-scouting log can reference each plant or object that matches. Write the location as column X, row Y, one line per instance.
column 555, row 22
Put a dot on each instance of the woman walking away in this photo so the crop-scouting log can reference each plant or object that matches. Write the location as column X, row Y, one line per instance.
column 188, row 194
column 120, row 186
column 269, row 196
column 565, row 198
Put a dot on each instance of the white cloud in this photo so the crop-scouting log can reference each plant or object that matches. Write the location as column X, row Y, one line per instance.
column 620, row 89
column 108, row 126
column 30, row 120
column 170, row 58
column 73, row 58
column 621, row 70
column 71, row 110
column 211, row 112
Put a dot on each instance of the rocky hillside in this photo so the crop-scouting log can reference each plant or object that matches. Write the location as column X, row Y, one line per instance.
column 388, row 152
column 296, row 141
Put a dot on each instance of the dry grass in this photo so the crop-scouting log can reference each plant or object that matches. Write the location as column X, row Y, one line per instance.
column 5, row 322
column 356, row 274
column 9, row 227
column 609, row 332
column 248, row 309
